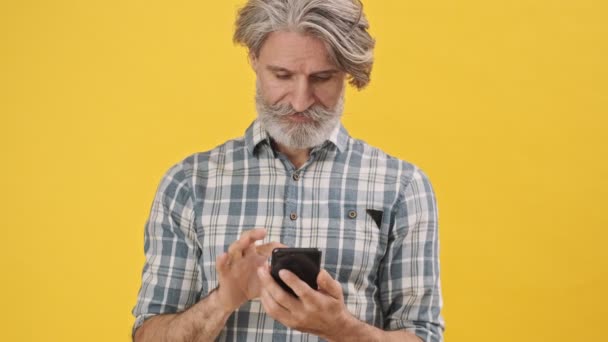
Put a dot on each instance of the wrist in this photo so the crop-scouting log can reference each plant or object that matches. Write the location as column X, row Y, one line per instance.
column 223, row 303
column 201, row 322
column 346, row 328
column 352, row 329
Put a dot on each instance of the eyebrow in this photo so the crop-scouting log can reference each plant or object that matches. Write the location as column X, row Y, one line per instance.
column 275, row 68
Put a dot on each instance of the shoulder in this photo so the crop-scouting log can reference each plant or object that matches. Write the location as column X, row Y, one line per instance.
column 376, row 160
column 184, row 177
column 200, row 163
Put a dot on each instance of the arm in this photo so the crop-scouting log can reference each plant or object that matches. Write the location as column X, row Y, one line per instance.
column 355, row 330
column 171, row 282
column 238, row 283
column 170, row 279
column 201, row 322
column 410, row 290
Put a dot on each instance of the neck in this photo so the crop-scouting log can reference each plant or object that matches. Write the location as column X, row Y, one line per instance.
column 295, row 155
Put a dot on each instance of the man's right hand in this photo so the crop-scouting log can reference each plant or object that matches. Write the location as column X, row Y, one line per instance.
column 237, row 269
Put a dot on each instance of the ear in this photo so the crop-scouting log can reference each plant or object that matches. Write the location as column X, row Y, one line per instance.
column 253, row 60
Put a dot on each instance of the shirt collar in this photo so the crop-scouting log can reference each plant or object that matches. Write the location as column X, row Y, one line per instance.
column 256, row 135
column 339, row 137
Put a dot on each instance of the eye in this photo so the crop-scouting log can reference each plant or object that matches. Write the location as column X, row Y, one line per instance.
column 282, row 76
column 321, row 78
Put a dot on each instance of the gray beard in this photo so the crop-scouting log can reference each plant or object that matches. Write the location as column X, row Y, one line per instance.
column 298, row 135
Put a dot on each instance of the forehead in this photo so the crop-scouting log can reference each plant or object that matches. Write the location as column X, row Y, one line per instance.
column 296, row 52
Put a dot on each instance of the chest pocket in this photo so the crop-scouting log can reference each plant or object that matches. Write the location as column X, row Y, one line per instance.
column 356, row 242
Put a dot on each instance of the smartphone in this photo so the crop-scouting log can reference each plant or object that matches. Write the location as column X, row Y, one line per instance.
column 303, row 262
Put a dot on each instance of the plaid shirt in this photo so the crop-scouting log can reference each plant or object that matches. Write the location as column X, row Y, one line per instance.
column 373, row 216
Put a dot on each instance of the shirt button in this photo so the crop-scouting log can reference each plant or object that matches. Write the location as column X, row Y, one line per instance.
column 352, row 214
column 293, row 216
column 295, row 176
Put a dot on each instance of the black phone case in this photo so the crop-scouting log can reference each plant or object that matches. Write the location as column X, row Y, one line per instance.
column 303, row 262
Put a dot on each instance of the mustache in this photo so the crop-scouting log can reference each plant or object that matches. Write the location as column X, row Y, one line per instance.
column 316, row 112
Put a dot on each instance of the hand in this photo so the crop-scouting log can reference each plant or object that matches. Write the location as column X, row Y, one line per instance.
column 322, row 313
column 238, row 281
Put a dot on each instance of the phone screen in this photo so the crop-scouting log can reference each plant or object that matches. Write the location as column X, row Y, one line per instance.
column 303, row 262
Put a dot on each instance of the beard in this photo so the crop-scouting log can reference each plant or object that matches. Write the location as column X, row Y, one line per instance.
column 298, row 135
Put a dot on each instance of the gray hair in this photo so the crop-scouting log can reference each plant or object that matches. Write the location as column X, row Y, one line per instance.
column 340, row 24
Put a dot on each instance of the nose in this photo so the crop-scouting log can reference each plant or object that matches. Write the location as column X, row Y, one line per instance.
column 302, row 97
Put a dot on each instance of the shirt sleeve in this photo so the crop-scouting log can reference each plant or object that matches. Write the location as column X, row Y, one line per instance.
column 409, row 275
column 170, row 277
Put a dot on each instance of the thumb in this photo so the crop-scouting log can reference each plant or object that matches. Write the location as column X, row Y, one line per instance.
column 328, row 285
column 221, row 264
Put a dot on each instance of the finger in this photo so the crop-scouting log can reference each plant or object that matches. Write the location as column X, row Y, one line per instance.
column 272, row 307
column 267, row 248
column 328, row 285
column 264, row 275
column 279, row 295
column 255, row 234
column 247, row 239
column 302, row 290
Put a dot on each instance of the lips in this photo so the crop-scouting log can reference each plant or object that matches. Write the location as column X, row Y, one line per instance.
column 299, row 117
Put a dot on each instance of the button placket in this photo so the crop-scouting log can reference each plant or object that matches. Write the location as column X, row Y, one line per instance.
column 290, row 220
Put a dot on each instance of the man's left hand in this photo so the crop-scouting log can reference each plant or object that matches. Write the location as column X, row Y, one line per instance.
column 322, row 313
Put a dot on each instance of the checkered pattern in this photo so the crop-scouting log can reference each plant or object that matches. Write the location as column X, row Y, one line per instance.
column 373, row 216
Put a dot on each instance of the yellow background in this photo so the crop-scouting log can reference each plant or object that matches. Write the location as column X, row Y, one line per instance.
column 503, row 103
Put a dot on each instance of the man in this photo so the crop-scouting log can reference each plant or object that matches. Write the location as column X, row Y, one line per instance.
column 300, row 179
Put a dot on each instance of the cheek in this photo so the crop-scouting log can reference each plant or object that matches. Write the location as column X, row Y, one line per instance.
column 272, row 92
column 329, row 94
